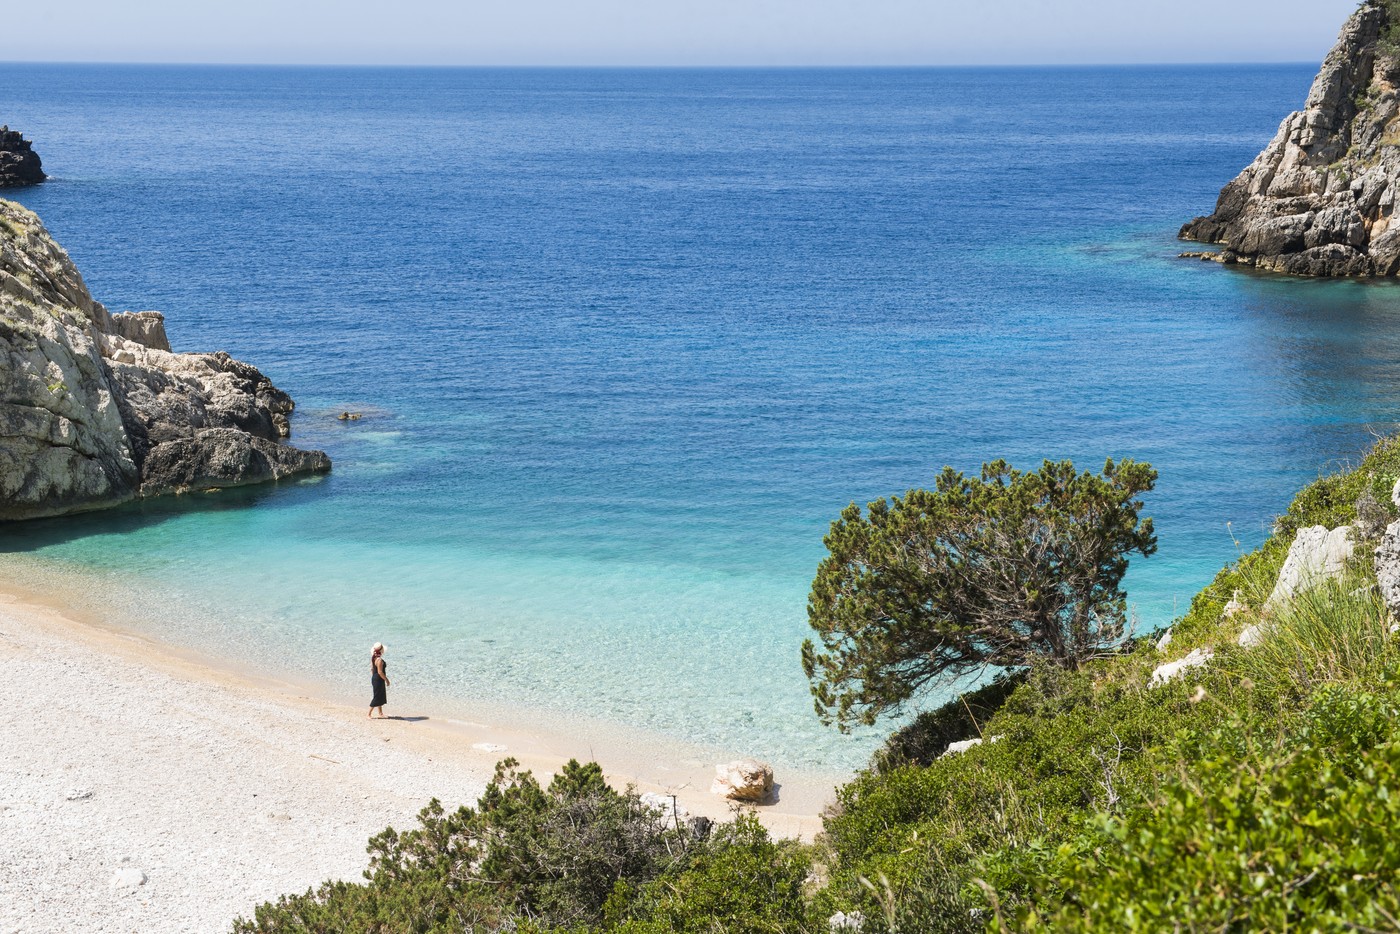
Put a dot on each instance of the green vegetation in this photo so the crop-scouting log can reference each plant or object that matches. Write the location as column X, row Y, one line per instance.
column 576, row 856
column 1389, row 44
column 1005, row 570
column 1259, row 792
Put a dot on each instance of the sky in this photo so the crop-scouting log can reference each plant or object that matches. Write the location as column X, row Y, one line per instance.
column 673, row 32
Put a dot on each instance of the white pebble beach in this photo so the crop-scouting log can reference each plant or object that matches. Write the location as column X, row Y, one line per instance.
column 147, row 791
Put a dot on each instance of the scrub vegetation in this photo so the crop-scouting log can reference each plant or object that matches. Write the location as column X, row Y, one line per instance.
column 1258, row 792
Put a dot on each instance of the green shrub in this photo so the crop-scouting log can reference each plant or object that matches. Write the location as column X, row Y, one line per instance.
column 555, row 855
column 1291, row 829
column 1337, row 631
column 741, row 881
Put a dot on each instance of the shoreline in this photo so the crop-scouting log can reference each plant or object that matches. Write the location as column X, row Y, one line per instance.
column 225, row 787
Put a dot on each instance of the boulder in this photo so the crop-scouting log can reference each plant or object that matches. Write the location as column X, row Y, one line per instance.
column 19, row 163
column 1319, row 199
column 95, row 409
column 743, row 780
column 1170, row 671
column 1164, row 641
column 1316, row 555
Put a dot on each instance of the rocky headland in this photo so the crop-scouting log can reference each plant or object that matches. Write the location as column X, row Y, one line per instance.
column 19, row 163
column 1320, row 199
column 95, row 408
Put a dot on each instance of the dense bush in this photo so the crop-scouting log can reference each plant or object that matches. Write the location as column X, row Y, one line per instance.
column 553, row 855
column 739, row 882
column 919, row 848
column 1267, row 830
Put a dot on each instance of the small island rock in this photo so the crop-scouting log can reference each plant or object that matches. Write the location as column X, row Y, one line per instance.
column 19, row 163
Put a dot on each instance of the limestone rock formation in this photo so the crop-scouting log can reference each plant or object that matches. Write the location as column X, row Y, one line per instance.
column 1196, row 658
column 744, row 780
column 19, row 163
column 1320, row 199
column 1316, row 555
column 1387, row 564
column 96, row 410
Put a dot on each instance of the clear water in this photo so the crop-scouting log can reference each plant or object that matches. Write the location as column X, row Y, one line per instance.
column 629, row 340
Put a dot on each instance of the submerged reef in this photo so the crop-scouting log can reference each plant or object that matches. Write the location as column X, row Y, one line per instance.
column 1320, row 199
column 95, row 409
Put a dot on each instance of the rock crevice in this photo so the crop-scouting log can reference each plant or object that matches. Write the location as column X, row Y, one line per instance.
column 1319, row 200
column 95, row 408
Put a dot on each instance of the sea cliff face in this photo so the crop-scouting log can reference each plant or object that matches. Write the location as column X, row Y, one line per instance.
column 1320, row 199
column 95, row 409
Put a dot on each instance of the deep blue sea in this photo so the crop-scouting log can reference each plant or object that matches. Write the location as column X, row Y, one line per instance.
column 628, row 340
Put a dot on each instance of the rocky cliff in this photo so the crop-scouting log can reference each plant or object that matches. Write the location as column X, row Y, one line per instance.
column 96, row 410
column 1320, row 199
column 19, row 163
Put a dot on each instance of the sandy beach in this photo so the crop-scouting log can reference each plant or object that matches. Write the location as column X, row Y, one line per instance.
column 149, row 790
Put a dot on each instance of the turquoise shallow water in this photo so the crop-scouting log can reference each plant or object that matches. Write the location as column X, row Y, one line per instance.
column 628, row 340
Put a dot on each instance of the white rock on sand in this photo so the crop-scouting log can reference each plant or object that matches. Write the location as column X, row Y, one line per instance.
column 744, row 780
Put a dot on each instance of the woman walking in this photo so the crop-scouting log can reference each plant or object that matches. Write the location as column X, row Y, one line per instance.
column 378, row 680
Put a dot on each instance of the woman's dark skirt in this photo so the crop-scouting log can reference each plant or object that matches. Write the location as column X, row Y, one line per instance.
column 377, row 683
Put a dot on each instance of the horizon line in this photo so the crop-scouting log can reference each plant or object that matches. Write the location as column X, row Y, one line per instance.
column 594, row 66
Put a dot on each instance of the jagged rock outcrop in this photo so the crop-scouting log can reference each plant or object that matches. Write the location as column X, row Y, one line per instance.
column 19, row 163
column 1316, row 555
column 1320, row 199
column 95, row 409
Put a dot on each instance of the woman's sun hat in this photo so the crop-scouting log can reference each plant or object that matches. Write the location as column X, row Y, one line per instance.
column 378, row 647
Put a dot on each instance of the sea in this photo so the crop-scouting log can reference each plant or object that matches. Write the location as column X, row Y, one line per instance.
column 626, row 341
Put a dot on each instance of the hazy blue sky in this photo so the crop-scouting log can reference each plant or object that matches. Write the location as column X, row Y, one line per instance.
column 661, row 32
